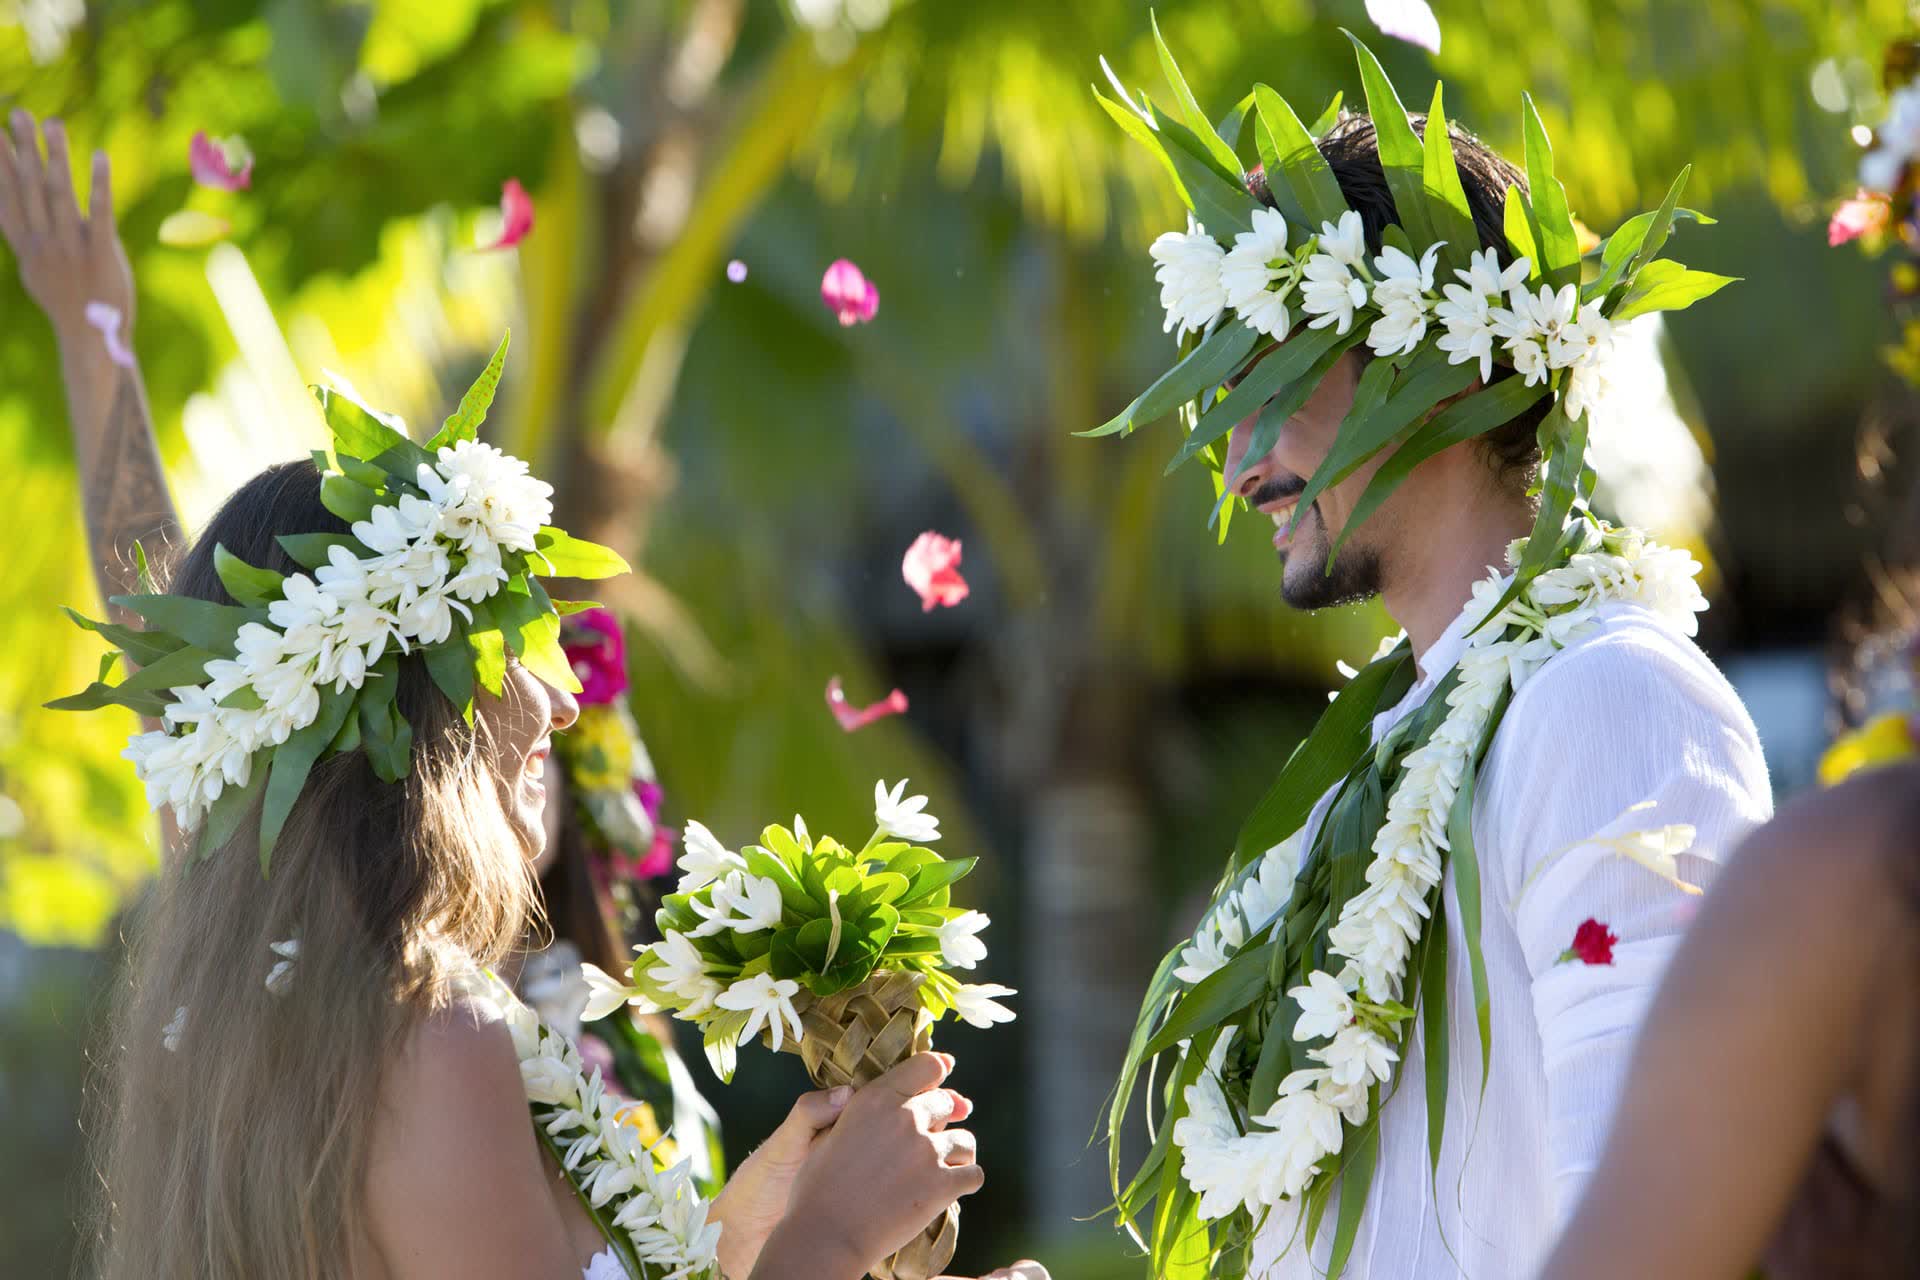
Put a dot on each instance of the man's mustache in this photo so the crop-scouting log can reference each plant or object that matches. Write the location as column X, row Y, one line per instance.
column 1277, row 489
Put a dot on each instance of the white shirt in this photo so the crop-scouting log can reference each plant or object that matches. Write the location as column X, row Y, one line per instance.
column 1631, row 712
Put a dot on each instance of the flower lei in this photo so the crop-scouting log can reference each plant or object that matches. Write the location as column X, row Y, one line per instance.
column 1286, row 1027
column 610, row 1149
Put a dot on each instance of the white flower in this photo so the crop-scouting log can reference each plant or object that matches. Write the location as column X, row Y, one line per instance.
column 682, row 970
column 1357, row 1056
column 1345, row 241
column 704, row 859
column 1265, row 895
column 903, row 818
column 976, row 1004
column 1189, row 276
column 1529, row 360
column 742, row 902
column 1214, row 942
column 1330, row 292
column 1466, row 310
column 606, row 994
column 1306, row 1130
column 280, row 977
column 959, row 946
column 1326, row 1008
column 549, row 1080
column 487, row 496
column 770, row 1002
column 1535, row 317
column 394, row 529
column 1587, row 387
column 1215, row 1159
column 1257, row 261
column 1587, row 338
column 1485, row 276
column 171, row 1033
column 303, row 604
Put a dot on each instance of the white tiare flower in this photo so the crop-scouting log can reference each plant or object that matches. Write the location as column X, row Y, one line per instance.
column 703, row 859
column 175, row 1028
column 490, row 495
column 1529, row 360
column 770, row 1002
column 1357, row 1056
column 1214, row 1160
column 1531, row 317
column 682, row 970
column 1330, row 292
column 1220, row 935
column 1400, row 291
column 742, row 902
column 1345, row 241
column 976, row 1004
column 606, row 993
column 391, row 529
column 1305, row 1131
column 1189, row 275
column 303, row 604
column 1266, row 893
column 903, row 819
column 549, row 1080
column 1257, row 263
column 1587, row 388
column 1466, row 309
column 280, row 977
column 1586, row 339
column 960, row 946
column 1326, row 1007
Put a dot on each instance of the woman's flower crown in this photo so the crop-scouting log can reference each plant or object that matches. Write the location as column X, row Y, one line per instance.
column 447, row 542
column 1265, row 300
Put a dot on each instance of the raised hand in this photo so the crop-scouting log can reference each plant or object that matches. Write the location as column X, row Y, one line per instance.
column 66, row 260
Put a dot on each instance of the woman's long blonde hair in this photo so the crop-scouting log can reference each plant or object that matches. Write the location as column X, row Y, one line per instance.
column 240, row 1153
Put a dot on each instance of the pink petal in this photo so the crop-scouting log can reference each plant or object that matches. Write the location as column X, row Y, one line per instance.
column 659, row 859
column 516, row 215
column 848, row 293
column 1409, row 20
column 1868, row 212
column 932, row 569
column 225, row 165
column 852, row 717
column 106, row 318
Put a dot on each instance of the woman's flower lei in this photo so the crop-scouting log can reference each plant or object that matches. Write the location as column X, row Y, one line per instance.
column 1272, row 1089
column 447, row 542
column 610, row 1149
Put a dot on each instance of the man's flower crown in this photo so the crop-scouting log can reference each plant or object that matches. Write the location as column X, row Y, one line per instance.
column 448, row 540
column 1302, row 290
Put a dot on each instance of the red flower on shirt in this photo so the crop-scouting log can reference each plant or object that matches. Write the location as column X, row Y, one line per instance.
column 1592, row 944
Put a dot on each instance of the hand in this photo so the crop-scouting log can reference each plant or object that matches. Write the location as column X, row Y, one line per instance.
column 755, row 1198
column 889, row 1166
column 1025, row 1269
column 66, row 261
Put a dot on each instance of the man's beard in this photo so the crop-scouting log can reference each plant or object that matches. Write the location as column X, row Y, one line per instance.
column 1306, row 582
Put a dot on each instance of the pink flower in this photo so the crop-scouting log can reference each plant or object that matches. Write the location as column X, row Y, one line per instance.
column 597, row 651
column 106, row 317
column 1592, row 944
column 848, row 293
column 1866, row 214
column 659, row 859
column 1409, row 20
column 852, row 717
column 225, row 165
column 650, row 794
column 516, row 215
column 932, row 569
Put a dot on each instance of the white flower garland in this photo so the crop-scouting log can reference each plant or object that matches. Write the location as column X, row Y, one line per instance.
column 432, row 557
column 1287, row 1146
column 1394, row 295
column 658, row 1212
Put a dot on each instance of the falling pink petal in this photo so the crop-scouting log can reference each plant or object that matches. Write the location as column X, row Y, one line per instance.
column 1867, row 213
column 516, row 215
column 848, row 293
column 852, row 717
column 932, row 569
column 106, row 317
column 225, row 165
column 1409, row 20
column 736, row 271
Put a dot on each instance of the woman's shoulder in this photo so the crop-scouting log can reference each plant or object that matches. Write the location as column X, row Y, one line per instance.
column 456, row 1057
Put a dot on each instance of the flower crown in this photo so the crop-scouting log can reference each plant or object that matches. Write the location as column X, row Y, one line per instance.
column 1549, row 313
column 441, row 564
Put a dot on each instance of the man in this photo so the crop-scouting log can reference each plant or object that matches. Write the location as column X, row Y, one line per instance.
column 1613, row 734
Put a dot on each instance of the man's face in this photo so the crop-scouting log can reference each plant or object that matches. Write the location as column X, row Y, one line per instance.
column 1272, row 485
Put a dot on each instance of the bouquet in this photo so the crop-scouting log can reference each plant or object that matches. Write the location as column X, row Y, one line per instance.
column 842, row 956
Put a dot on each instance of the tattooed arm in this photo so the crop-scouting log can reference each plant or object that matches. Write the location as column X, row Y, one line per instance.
column 68, row 262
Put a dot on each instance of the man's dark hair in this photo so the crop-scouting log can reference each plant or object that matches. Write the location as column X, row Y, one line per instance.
column 1353, row 153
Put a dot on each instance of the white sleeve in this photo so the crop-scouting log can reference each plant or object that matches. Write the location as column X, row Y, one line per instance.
column 1632, row 714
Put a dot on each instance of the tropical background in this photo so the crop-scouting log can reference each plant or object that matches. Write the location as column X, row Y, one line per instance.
column 1098, row 715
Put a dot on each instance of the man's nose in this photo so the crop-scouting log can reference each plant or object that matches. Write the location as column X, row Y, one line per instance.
column 1258, row 470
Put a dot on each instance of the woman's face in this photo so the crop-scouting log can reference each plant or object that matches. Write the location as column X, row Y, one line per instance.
column 521, row 723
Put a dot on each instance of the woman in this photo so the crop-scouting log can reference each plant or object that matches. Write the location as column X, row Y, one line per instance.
column 303, row 1082
column 1773, row 1108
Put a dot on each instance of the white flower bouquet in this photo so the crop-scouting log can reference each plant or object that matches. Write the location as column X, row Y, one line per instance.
column 838, row 954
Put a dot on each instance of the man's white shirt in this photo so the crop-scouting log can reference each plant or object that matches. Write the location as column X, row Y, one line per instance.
column 1631, row 712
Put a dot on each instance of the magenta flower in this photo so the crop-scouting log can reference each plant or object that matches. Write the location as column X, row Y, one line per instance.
column 659, row 859
column 597, row 651
column 852, row 717
column 225, row 165
column 516, row 215
column 932, row 569
column 848, row 293
column 1867, row 213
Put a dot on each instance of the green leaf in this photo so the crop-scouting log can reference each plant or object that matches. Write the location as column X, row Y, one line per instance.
column 1665, row 285
column 1565, row 446
column 1159, row 990
column 1303, row 169
column 309, row 550
column 1216, row 998
column 293, row 760
column 1298, row 359
column 1466, row 886
column 928, row 879
column 197, row 622
column 348, row 499
column 464, row 424
column 565, row 607
column 140, row 647
column 1401, row 154
column 251, row 587
column 1220, row 202
column 1552, row 223
column 108, row 661
column 569, row 557
column 489, row 650
column 1434, row 1030
column 1140, row 131
column 1276, row 1051
column 1337, row 741
column 1361, row 1155
column 181, row 667
column 1475, row 415
column 359, row 471
column 1520, row 237
column 1190, row 108
column 1447, row 203
column 1273, row 417
column 1323, row 124
column 540, row 635
column 146, row 702
column 384, row 733
column 1659, row 226
column 1209, row 364
column 230, row 810
column 451, row 666
column 355, row 431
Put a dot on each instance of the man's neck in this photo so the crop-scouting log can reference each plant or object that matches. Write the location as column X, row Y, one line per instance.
column 1433, row 576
